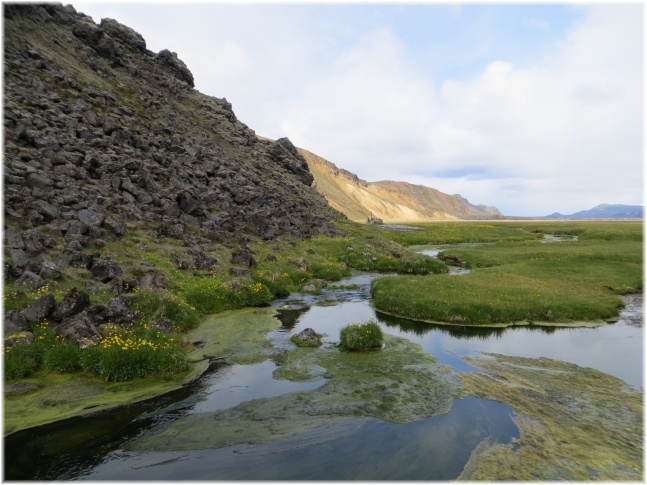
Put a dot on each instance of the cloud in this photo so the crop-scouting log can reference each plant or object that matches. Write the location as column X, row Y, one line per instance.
column 570, row 123
column 370, row 112
column 561, row 133
column 553, row 124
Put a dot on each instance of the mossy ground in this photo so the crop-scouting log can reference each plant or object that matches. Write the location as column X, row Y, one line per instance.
column 399, row 383
column 576, row 423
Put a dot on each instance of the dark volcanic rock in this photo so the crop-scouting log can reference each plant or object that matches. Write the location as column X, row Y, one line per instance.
column 14, row 322
column 74, row 302
column 17, row 388
column 40, row 309
column 307, row 338
column 104, row 269
column 82, row 327
column 30, row 279
column 150, row 148
column 101, row 134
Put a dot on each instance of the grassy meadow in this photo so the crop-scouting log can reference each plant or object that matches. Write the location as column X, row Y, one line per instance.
column 527, row 281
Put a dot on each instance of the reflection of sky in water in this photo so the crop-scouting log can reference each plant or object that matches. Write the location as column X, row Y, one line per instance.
column 615, row 349
column 234, row 384
column 435, row 448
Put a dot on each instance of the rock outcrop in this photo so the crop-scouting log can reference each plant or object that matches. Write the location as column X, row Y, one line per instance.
column 102, row 137
column 101, row 132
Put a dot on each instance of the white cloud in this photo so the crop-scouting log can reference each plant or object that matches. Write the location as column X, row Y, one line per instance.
column 571, row 123
column 564, row 133
column 370, row 113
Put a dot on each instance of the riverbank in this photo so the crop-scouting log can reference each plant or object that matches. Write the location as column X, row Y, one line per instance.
column 239, row 336
column 236, row 392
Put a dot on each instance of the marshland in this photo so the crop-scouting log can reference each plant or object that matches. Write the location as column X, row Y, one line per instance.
column 529, row 366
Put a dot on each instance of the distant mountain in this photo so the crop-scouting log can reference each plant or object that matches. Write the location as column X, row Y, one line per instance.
column 387, row 200
column 604, row 211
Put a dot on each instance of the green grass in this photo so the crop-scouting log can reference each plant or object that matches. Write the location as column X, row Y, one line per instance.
column 359, row 336
column 139, row 351
column 516, row 279
column 527, row 281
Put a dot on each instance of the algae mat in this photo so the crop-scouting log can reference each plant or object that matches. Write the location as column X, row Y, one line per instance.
column 399, row 383
column 576, row 423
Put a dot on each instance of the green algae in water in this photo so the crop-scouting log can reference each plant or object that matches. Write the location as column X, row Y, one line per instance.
column 400, row 383
column 576, row 423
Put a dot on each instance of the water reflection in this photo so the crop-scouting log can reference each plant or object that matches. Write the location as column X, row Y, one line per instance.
column 433, row 449
column 436, row 448
column 289, row 317
column 422, row 328
column 65, row 449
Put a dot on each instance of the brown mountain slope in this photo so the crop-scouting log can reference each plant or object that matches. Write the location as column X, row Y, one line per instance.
column 387, row 200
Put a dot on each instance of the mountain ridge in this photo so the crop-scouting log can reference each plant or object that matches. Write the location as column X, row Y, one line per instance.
column 391, row 201
column 604, row 211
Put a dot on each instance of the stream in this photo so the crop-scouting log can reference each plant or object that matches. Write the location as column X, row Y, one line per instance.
column 437, row 448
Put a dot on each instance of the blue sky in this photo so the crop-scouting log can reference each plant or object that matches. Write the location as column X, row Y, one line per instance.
column 532, row 108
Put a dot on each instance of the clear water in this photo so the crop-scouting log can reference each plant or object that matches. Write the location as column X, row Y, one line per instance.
column 437, row 448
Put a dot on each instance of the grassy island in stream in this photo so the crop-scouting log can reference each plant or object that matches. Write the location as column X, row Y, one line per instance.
column 576, row 423
column 558, row 283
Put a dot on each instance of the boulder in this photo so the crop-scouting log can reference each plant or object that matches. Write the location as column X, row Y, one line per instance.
column 117, row 311
column 30, row 279
column 20, row 261
column 18, row 388
column 74, row 302
column 175, row 66
column 242, row 257
column 82, row 327
column 307, row 338
column 201, row 260
column 50, row 271
column 13, row 238
column 40, row 309
column 14, row 322
column 124, row 34
column 104, row 269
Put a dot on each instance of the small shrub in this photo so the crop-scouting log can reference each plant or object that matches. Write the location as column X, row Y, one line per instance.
column 63, row 357
column 255, row 294
column 139, row 352
column 152, row 305
column 210, row 295
column 361, row 336
column 328, row 270
column 279, row 283
column 18, row 362
column 183, row 315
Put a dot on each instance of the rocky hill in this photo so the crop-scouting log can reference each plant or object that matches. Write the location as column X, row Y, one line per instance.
column 101, row 133
column 387, row 200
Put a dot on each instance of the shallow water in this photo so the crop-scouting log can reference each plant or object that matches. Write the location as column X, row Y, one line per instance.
column 350, row 448
column 353, row 449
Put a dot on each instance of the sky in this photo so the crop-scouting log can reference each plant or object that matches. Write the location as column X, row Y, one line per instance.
column 531, row 108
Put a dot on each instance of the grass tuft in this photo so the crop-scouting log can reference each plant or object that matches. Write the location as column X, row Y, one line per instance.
column 359, row 336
